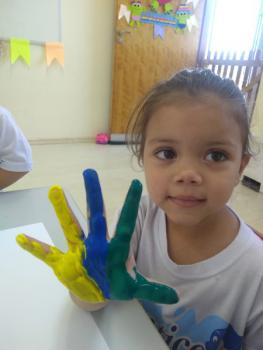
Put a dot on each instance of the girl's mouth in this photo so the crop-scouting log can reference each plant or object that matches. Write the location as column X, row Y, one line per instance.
column 187, row 201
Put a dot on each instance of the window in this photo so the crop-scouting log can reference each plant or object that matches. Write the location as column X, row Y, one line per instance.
column 231, row 43
column 232, row 26
column 235, row 27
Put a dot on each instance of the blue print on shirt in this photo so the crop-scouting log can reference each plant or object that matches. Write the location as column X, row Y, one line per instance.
column 185, row 332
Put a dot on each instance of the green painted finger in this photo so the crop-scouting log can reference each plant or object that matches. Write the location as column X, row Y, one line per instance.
column 122, row 285
column 153, row 291
column 128, row 216
column 119, row 246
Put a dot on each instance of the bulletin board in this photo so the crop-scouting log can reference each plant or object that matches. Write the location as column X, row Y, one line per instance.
column 36, row 20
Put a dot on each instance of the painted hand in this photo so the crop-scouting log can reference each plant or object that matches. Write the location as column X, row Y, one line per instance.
column 94, row 269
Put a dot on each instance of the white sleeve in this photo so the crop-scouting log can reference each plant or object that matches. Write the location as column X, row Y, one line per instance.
column 253, row 338
column 15, row 151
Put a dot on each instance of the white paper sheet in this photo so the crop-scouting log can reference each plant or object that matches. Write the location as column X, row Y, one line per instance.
column 36, row 311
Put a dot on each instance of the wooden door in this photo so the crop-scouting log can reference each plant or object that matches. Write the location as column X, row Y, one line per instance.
column 140, row 60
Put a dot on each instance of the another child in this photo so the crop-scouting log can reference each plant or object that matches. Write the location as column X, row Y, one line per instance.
column 15, row 151
column 191, row 135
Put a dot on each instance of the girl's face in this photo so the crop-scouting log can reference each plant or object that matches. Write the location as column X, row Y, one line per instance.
column 193, row 159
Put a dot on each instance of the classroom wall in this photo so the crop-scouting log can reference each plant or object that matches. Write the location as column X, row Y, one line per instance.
column 257, row 118
column 71, row 102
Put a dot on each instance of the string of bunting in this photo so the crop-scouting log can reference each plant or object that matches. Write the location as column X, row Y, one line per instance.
column 20, row 49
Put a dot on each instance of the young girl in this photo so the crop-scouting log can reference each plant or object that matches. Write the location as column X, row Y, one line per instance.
column 191, row 135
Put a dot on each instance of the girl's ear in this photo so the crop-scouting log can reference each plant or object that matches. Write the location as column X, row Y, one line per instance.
column 244, row 162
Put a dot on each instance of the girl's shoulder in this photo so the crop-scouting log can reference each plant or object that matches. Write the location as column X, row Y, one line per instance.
column 254, row 253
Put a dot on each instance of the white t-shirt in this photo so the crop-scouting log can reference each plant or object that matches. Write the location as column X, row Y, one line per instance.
column 220, row 299
column 15, row 151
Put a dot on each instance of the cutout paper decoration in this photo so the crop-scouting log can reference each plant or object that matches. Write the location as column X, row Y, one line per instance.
column 20, row 48
column 159, row 19
column 158, row 31
column 192, row 22
column 167, row 7
column 124, row 12
column 182, row 14
column 54, row 51
column 136, row 8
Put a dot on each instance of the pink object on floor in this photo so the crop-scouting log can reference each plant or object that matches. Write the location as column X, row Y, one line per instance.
column 102, row 138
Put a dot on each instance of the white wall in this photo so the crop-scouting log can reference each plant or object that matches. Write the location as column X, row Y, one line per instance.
column 74, row 102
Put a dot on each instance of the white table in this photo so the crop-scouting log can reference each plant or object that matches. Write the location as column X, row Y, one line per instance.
column 123, row 325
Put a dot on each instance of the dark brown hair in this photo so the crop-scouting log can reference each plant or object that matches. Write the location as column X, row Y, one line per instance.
column 193, row 83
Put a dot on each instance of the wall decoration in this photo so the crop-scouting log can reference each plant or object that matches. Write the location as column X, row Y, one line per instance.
column 158, row 31
column 54, row 51
column 161, row 15
column 20, row 48
column 136, row 8
column 192, row 21
column 159, row 19
column 182, row 14
column 124, row 12
column 167, row 7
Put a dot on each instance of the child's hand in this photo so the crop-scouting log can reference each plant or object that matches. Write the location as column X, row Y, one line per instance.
column 94, row 269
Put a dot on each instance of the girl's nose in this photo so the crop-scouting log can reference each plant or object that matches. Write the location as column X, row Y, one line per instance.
column 188, row 176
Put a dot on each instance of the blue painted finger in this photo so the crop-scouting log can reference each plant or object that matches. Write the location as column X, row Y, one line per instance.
column 96, row 255
column 96, row 243
column 93, row 192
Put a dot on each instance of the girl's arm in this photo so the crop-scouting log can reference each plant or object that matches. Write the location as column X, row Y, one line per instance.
column 7, row 178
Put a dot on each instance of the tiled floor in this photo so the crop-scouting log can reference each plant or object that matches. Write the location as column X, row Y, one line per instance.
column 63, row 164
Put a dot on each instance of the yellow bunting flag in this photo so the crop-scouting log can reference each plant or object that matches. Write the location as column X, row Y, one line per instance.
column 20, row 48
column 54, row 51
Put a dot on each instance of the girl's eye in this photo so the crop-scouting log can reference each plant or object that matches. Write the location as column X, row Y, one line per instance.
column 216, row 156
column 165, row 154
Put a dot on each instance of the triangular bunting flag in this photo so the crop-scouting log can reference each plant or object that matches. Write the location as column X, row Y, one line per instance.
column 20, row 48
column 54, row 50
column 192, row 22
column 158, row 31
column 124, row 12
